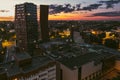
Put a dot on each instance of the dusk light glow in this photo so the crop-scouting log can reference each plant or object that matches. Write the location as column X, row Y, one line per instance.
column 88, row 10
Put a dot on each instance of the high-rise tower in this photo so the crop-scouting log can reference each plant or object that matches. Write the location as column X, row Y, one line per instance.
column 26, row 25
column 44, row 22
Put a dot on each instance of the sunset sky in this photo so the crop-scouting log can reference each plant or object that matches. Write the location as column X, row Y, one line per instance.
column 68, row 9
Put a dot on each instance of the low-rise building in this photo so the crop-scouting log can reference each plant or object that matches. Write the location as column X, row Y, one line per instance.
column 28, row 68
column 81, row 61
column 62, row 61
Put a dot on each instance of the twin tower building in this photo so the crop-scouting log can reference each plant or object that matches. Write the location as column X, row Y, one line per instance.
column 28, row 30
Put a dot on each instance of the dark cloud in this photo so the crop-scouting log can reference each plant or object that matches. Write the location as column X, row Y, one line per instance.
column 4, row 10
column 54, row 8
column 107, row 14
column 91, row 7
column 110, row 3
column 78, row 6
column 66, row 8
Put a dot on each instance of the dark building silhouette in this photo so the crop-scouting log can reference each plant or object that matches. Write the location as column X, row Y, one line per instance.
column 44, row 22
column 26, row 25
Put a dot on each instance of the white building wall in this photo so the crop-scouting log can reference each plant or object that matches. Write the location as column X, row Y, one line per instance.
column 68, row 74
column 89, row 68
column 47, row 74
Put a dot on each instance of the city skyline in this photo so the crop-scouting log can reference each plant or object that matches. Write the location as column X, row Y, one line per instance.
column 72, row 10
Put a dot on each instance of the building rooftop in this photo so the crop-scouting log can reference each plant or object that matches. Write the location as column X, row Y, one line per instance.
column 37, row 62
column 22, row 56
column 74, row 54
column 83, row 59
column 10, row 68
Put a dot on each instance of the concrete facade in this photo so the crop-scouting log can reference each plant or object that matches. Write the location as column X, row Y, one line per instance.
column 68, row 74
column 90, row 70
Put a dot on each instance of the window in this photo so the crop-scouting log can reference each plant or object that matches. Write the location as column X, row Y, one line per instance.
column 44, row 79
column 42, row 74
column 51, row 70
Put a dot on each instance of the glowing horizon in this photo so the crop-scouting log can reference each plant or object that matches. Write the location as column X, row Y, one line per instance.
column 75, row 17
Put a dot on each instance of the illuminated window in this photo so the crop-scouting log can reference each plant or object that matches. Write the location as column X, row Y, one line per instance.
column 28, row 14
column 15, row 79
column 2, row 52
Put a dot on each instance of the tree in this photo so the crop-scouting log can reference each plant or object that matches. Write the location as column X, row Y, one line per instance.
column 116, row 78
column 102, row 35
column 112, row 43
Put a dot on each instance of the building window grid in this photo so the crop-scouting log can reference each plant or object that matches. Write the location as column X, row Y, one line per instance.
column 38, row 77
column 51, row 70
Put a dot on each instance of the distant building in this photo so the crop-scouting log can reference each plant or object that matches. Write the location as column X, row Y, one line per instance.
column 77, row 37
column 44, row 23
column 26, row 25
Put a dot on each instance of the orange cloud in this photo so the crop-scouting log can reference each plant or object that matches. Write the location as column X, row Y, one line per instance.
column 65, row 16
column 8, row 18
column 79, row 16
